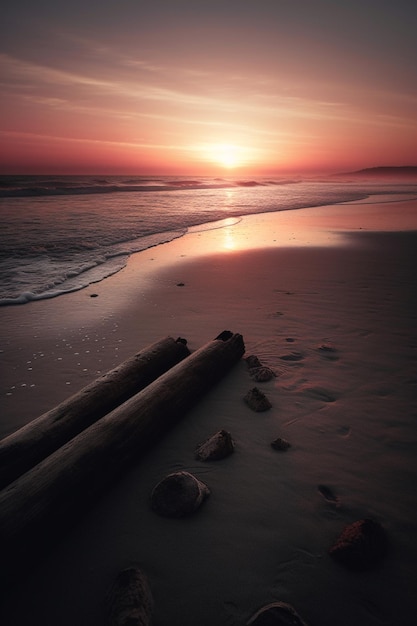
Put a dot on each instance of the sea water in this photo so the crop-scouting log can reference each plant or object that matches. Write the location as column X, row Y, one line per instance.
column 61, row 234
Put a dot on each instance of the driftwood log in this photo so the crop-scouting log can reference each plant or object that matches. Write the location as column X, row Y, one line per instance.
column 32, row 443
column 36, row 508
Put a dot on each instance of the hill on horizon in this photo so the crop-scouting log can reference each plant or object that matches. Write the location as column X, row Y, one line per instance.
column 405, row 171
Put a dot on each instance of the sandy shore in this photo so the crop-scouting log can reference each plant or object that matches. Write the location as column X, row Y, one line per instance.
column 291, row 283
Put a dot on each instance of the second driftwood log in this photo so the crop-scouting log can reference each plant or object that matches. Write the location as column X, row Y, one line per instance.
column 26, row 447
column 36, row 508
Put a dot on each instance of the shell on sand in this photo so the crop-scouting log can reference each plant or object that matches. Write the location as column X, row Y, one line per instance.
column 276, row 614
column 178, row 494
column 130, row 599
column 257, row 400
column 218, row 446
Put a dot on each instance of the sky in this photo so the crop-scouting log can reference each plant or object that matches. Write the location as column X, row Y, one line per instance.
column 194, row 87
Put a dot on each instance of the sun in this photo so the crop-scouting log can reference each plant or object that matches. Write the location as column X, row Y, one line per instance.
column 227, row 155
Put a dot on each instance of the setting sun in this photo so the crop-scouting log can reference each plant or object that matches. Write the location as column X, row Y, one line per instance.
column 226, row 155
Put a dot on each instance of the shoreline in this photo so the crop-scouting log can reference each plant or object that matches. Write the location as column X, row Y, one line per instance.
column 95, row 275
column 326, row 298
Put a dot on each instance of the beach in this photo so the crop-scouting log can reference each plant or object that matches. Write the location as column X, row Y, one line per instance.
column 325, row 297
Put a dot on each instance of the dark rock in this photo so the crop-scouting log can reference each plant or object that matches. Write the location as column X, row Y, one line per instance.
column 361, row 545
column 257, row 371
column 93, row 295
column 280, row 444
column 252, row 361
column 257, row 400
column 130, row 600
column 218, row 446
column 180, row 284
column 178, row 494
column 276, row 614
column 261, row 374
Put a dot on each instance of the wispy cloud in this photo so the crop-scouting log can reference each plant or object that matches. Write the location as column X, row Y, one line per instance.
column 29, row 77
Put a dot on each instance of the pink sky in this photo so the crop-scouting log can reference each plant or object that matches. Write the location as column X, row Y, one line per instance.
column 262, row 87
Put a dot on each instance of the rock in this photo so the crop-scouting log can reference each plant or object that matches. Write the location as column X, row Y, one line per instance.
column 276, row 614
column 180, row 284
column 253, row 361
column 361, row 545
column 261, row 374
column 257, row 400
column 130, row 600
column 280, row 444
column 257, row 371
column 178, row 494
column 218, row 446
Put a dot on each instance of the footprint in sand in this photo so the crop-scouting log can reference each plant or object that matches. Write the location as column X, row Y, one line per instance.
column 319, row 393
column 328, row 351
column 344, row 431
column 328, row 494
column 292, row 356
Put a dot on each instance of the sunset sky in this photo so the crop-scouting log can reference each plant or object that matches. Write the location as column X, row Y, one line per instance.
column 195, row 87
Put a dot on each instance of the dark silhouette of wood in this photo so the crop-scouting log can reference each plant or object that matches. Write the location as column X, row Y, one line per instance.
column 37, row 507
column 32, row 443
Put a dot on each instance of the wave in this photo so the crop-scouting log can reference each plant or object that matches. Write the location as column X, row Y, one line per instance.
column 87, row 271
column 52, row 246
column 38, row 186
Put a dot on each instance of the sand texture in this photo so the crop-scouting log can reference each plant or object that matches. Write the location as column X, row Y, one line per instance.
column 326, row 299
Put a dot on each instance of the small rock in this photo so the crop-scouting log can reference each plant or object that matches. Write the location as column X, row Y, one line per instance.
column 178, row 494
column 180, row 284
column 261, row 374
column 93, row 295
column 257, row 400
column 280, row 444
column 253, row 361
column 130, row 599
column 257, row 371
column 218, row 446
column 361, row 545
column 276, row 614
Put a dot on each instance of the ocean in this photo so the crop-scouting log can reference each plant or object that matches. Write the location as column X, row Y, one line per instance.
column 62, row 233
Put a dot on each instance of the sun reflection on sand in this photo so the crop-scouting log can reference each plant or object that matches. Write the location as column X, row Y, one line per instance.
column 229, row 240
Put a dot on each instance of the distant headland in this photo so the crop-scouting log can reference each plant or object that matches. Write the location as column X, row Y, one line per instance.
column 403, row 172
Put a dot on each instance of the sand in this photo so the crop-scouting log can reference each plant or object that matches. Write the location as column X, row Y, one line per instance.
column 325, row 297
